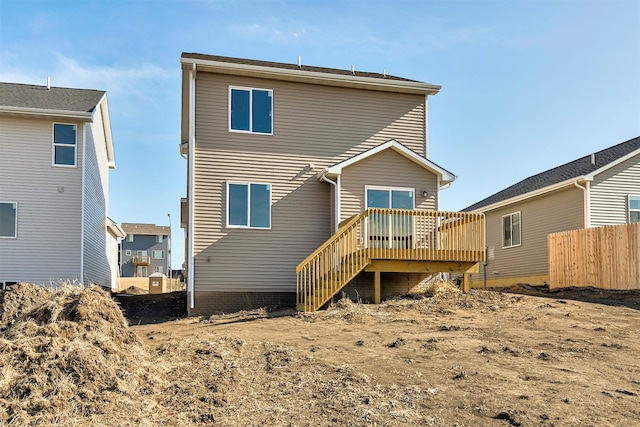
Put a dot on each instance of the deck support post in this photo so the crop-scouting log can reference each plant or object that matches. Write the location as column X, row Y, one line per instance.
column 376, row 287
column 466, row 282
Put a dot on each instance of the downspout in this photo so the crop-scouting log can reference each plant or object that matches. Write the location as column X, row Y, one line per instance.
column 82, row 219
column 191, row 169
column 336, row 204
column 585, row 191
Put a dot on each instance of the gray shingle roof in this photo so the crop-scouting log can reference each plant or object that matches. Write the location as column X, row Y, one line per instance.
column 145, row 229
column 287, row 66
column 574, row 169
column 57, row 98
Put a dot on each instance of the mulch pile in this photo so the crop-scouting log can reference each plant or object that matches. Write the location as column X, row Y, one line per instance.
column 69, row 358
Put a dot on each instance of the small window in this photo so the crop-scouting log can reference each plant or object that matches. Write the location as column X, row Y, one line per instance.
column 250, row 110
column 127, row 252
column 8, row 219
column 634, row 209
column 142, row 253
column 64, row 144
column 248, row 205
column 159, row 238
column 129, row 237
column 511, row 230
column 158, row 269
column 157, row 254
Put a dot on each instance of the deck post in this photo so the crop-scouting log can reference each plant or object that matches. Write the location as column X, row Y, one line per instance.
column 376, row 287
column 466, row 282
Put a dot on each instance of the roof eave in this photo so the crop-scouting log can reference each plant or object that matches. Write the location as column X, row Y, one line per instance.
column 314, row 77
column 590, row 176
column 42, row 112
column 531, row 194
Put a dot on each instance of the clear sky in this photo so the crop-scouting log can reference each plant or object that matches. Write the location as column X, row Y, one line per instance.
column 526, row 85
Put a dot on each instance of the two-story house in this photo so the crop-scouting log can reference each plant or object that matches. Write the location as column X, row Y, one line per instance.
column 599, row 189
column 145, row 250
column 304, row 181
column 55, row 155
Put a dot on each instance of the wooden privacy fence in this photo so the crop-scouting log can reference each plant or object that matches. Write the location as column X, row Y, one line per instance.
column 602, row 257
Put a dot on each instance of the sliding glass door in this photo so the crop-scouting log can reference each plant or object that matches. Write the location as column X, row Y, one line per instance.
column 390, row 231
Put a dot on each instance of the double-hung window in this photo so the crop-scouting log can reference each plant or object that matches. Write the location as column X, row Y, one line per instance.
column 156, row 254
column 159, row 238
column 251, row 110
column 634, row 209
column 248, row 205
column 511, row 230
column 64, row 144
column 8, row 219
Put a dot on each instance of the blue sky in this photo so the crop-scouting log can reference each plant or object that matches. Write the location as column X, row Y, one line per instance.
column 526, row 85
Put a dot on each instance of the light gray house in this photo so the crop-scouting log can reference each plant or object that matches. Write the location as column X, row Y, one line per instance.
column 599, row 189
column 287, row 164
column 55, row 155
column 145, row 250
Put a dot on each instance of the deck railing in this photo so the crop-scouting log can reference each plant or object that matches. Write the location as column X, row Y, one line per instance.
column 390, row 234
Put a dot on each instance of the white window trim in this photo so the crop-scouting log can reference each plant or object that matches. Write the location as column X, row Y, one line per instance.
column 129, row 237
column 629, row 210
column 127, row 252
column 502, row 229
column 158, row 267
column 388, row 189
column 54, row 145
column 15, row 231
column 144, row 252
column 159, row 238
column 157, row 250
column 250, row 131
column 248, row 184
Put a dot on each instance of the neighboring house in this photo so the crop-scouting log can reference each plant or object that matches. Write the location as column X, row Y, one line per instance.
column 55, row 155
column 596, row 190
column 145, row 250
column 281, row 158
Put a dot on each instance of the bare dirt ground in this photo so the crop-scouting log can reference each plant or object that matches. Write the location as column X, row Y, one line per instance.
column 448, row 359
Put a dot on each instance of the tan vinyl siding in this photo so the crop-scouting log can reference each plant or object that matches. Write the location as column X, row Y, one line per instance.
column 610, row 190
column 386, row 169
column 49, row 204
column 311, row 125
column 96, row 192
column 559, row 211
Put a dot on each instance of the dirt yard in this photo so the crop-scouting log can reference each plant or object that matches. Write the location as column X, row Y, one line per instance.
column 449, row 359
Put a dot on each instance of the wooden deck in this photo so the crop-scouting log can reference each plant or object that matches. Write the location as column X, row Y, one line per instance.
column 390, row 240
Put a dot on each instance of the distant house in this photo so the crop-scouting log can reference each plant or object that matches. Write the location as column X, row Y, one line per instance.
column 55, row 155
column 304, row 182
column 145, row 250
column 599, row 189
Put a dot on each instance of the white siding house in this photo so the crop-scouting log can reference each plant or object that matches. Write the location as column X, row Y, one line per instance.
column 55, row 155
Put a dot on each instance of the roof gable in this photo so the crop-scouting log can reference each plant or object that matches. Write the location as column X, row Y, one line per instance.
column 444, row 175
column 584, row 168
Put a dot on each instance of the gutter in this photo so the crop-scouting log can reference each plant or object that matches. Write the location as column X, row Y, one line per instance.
column 82, row 115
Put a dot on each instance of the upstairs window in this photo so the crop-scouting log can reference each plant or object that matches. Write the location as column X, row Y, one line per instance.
column 248, row 205
column 127, row 252
column 251, row 110
column 129, row 237
column 64, row 145
column 157, row 254
column 634, row 209
column 8, row 219
column 159, row 238
column 511, row 230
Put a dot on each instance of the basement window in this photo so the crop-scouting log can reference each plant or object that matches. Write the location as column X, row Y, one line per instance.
column 248, row 205
column 634, row 209
column 251, row 110
column 511, row 230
